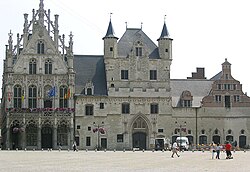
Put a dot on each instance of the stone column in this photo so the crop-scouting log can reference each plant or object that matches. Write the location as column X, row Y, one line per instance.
column 72, row 139
column 55, row 137
column 39, row 140
column 8, row 138
column 23, row 139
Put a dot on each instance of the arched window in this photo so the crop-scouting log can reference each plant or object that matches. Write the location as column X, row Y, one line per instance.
column 32, row 66
column 63, row 100
column 17, row 96
column 32, row 96
column 140, row 124
column 48, row 67
column 40, row 47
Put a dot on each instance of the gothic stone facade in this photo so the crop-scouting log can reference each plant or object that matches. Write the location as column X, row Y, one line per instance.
column 33, row 69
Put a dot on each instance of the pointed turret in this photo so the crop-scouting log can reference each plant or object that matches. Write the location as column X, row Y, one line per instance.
column 165, row 43
column 164, row 32
column 9, row 53
column 110, row 42
column 110, row 32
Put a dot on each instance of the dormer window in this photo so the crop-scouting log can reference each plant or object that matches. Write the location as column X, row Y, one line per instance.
column 40, row 47
column 186, row 99
column 89, row 88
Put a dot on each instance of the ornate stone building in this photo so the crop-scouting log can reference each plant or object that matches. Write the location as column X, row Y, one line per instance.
column 123, row 99
column 38, row 79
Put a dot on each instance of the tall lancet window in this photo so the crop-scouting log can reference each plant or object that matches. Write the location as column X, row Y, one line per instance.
column 32, row 96
column 32, row 66
column 40, row 47
column 48, row 67
column 17, row 96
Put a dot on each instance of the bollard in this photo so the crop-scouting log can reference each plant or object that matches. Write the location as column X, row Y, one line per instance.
column 153, row 150
column 25, row 149
column 16, row 149
column 86, row 150
column 8, row 149
column 162, row 150
column 114, row 150
column 105, row 150
column 95, row 150
column 123, row 150
column 142, row 150
column 33, row 149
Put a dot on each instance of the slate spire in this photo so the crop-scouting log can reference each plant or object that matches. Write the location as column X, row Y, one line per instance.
column 164, row 32
column 110, row 32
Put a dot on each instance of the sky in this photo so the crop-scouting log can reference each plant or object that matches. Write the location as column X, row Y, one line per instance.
column 204, row 32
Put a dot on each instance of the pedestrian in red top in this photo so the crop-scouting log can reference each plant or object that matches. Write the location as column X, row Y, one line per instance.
column 228, row 148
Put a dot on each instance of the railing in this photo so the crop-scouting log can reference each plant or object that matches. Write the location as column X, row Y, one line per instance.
column 34, row 110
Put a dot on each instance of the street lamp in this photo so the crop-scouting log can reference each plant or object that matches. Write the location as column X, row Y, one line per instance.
column 180, row 128
column 99, row 129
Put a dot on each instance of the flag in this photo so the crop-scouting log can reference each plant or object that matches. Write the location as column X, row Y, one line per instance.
column 67, row 95
column 52, row 92
column 22, row 96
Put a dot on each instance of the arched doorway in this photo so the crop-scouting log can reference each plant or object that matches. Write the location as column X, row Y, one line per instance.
column 47, row 137
column 16, row 131
column 242, row 141
column 140, row 132
column 216, row 139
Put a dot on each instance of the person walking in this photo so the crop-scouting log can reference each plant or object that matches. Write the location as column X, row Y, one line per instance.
column 218, row 148
column 212, row 149
column 74, row 146
column 175, row 149
column 228, row 148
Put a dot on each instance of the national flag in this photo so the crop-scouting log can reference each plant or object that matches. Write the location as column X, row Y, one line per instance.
column 22, row 96
column 52, row 92
column 67, row 95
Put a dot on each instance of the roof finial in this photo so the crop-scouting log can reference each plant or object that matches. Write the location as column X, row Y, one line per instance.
column 126, row 25
column 165, row 18
column 41, row 12
column 110, row 14
column 141, row 25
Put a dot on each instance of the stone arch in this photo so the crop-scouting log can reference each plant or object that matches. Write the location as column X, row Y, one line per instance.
column 140, row 130
column 142, row 116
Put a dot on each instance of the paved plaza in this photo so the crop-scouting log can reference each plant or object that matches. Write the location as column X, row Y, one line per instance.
column 119, row 161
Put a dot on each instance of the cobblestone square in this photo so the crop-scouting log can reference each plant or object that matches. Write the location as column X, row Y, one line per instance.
column 119, row 161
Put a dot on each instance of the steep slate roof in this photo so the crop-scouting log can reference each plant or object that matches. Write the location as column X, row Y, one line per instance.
column 131, row 35
column 164, row 32
column 90, row 68
column 199, row 88
column 110, row 32
column 217, row 76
